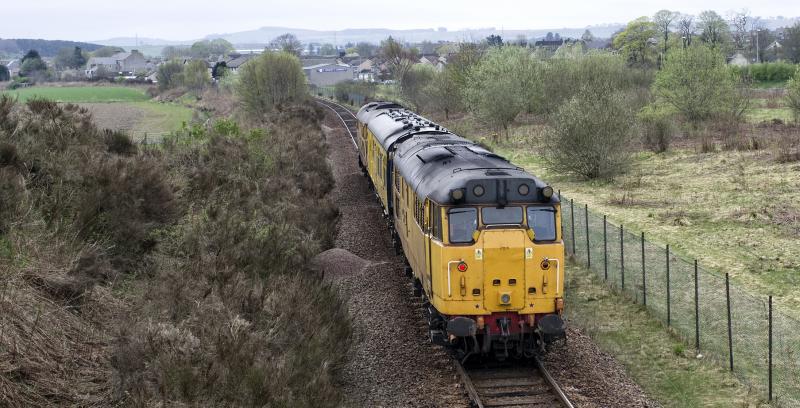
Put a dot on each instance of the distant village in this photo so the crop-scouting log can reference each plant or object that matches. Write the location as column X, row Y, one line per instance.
column 323, row 64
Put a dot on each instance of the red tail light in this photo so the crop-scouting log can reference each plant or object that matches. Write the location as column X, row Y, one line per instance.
column 462, row 266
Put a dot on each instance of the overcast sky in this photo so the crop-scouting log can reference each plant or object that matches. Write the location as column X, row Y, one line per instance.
column 187, row 19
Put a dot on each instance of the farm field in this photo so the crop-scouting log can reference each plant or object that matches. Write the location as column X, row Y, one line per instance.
column 117, row 107
column 76, row 94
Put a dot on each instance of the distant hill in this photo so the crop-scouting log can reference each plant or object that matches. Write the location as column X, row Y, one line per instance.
column 375, row 35
column 46, row 48
column 141, row 41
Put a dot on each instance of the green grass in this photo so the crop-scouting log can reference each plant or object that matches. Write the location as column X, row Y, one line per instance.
column 757, row 115
column 657, row 361
column 769, row 84
column 75, row 94
column 161, row 117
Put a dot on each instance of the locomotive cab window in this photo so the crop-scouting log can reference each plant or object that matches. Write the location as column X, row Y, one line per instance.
column 543, row 222
column 501, row 216
column 462, row 223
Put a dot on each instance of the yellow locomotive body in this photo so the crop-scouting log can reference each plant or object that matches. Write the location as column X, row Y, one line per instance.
column 481, row 236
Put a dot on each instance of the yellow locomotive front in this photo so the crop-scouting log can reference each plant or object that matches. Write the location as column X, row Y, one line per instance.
column 497, row 269
column 481, row 236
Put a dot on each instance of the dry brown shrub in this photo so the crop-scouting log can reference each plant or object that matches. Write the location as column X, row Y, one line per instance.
column 787, row 147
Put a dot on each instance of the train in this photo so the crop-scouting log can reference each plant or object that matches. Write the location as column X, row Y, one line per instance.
column 482, row 237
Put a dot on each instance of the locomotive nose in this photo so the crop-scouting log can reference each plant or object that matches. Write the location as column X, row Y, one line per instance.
column 504, row 269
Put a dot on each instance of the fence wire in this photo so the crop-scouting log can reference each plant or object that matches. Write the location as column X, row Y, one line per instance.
column 724, row 322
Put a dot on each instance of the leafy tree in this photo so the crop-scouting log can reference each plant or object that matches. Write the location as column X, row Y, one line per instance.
column 170, row 75
column 171, row 52
column 327, row 49
column 271, row 80
column 287, row 43
column 587, row 36
column 445, row 94
column 70, row 58
column 104, row 52
column 31, row 54
column 663, row 20
column 793, row 95
column 399, row 58
column 506, row 82
column 365, row 49
column 210, row 49
column 714, row 29
column 5, row 75
column 32, row 65
column 220, row 70
column 791, row 43
column 413, row 85
column 695, row 82
column 494, row 40
column 195, row 75
column 590, row 134
column 634, row 41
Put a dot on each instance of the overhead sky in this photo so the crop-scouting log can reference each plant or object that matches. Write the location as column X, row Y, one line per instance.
column 87, row 20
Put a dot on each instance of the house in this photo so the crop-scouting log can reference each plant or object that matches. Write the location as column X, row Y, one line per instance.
column 550, row 45
column 365, row 71
column 433, row 60
column 123, row 62
column 13, row 66
column 237, row 61
column 328, row 74
column 738, row 60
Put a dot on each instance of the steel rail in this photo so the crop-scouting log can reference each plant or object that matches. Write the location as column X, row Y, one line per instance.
column 478, row 401
column 332, row 106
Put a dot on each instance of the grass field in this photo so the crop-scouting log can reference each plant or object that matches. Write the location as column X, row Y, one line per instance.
column 659, row 363
column 117, row 107
column 75, row 94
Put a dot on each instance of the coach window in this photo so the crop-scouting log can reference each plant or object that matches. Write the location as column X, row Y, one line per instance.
column 463, row 222
column 542, row 220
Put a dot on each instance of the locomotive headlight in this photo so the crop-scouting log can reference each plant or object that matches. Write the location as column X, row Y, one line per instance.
column 547, row 192
column 457, row 194
column 478, row 190
column 524, row 189
column 505, row 298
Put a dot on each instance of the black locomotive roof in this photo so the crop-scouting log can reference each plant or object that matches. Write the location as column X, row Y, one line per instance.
column 435, row 162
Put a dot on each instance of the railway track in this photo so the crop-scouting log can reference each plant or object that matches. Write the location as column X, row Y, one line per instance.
column 512, row 386
column 345, row 115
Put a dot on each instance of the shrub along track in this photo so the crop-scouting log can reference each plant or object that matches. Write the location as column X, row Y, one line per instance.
column 393, row 363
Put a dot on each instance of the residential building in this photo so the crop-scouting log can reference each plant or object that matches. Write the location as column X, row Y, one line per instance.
column 124, row 62
column 328, row 74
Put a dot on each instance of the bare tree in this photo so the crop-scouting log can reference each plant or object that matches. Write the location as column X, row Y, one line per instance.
column 664, row 19
column 739, row 22
column 686, row 28
column 399, row 58
column 287, row 43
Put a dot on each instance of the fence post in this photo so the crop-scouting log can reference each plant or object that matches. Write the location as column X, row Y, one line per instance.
column 644, row 276
column 588, row 251
column 605, row 248
column 730, row 328
column 622, row 254
column 770, row 348
column 669, row 296
column 696, row 310
column 572, row 220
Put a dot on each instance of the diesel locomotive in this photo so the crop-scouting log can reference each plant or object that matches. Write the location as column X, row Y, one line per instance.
column 482, row 237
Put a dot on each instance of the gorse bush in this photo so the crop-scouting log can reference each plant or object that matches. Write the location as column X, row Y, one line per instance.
column 244, row 321
column 657, row 127
column 590, row 134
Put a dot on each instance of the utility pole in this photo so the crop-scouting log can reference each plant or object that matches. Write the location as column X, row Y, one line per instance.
column 758, row 57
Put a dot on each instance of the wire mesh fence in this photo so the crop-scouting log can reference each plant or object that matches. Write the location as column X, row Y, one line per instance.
column 739, row 330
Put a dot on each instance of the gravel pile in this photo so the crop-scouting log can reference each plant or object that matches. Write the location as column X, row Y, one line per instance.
column 393, row 363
